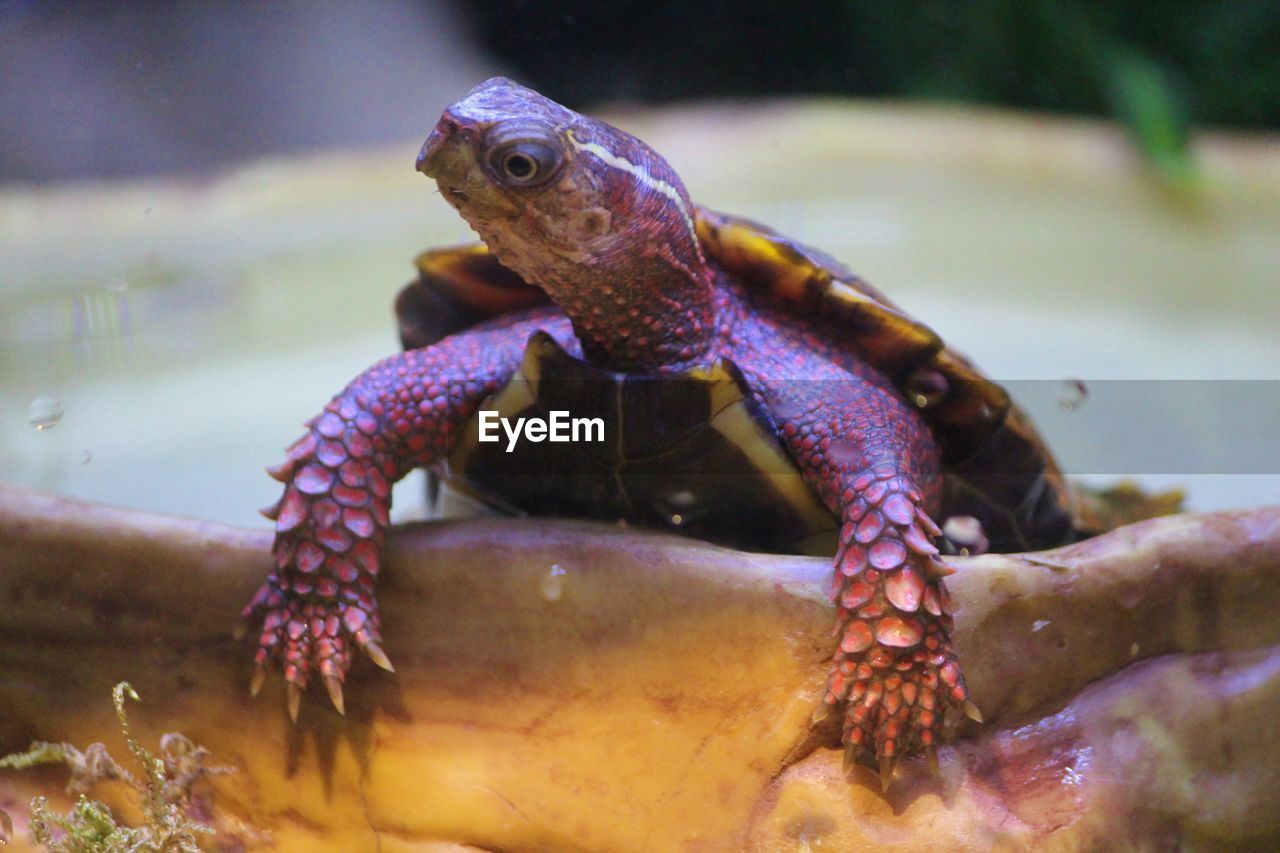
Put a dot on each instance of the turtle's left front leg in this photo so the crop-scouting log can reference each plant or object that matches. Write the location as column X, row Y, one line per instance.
column 875, row 464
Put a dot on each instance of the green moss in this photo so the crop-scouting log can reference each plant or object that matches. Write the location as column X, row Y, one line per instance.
column 164, row 792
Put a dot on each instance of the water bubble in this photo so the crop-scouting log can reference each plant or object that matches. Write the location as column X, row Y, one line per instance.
column 552, row 585
column 679, row 507
column 965, row 535
column 44, row 412
column 116, row 284
column 1074, row 396
column 682, row 499
column 926, row 387
column 1040, row 625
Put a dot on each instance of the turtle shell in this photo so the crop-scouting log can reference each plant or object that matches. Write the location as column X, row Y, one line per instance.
column 997, row 468
column 691, row 452
column 456, row 288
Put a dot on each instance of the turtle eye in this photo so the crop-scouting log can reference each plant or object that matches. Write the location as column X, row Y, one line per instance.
column 519, row 166
column 525, row 164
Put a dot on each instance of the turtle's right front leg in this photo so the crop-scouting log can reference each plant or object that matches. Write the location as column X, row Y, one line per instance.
column 873, row 461
column 318, row 603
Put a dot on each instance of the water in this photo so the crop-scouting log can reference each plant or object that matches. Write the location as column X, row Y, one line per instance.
column 192, row 328
column 188, row 330
column 552, row 584
column 1074, row 395
column 44, row 413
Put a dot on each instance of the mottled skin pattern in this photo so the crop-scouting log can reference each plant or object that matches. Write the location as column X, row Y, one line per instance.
column 603, row 225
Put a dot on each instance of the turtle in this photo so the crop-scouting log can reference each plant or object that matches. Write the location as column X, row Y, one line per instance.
column 751, row 391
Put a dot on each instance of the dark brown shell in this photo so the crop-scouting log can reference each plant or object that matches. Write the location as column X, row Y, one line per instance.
column 456, row 288
column 691, row 452
column 997, row 466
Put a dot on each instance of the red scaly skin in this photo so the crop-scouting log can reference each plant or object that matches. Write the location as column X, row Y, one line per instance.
column 876, row 466
column 318, row 605
column 601, row 223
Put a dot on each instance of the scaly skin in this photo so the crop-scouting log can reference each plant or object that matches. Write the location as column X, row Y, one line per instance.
column 318, row 604
column 603, row 225
column 876, row 466
column 867, row 453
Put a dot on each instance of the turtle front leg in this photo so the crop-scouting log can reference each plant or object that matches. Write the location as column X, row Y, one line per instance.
column 876, row 466
column 895, row 668
column 318, row 606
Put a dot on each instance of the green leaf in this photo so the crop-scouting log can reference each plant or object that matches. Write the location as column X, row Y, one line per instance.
column 1148, row 105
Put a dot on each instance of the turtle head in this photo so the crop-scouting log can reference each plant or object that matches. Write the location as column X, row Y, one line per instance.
column 586, row 211
column 497, row 153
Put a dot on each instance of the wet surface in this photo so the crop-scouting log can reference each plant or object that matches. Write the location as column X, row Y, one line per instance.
column 187, row 329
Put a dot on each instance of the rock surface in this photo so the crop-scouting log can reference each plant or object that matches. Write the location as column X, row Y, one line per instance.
column 564, row 686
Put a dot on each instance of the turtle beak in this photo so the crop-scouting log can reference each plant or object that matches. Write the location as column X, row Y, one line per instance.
column 429, row 156
column 444, row 154
column 450, row 157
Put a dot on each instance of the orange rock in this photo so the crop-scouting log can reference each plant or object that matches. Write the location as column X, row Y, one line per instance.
column 657, row 693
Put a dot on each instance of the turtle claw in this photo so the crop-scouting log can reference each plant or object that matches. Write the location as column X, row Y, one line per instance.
column 295, row 699
column 887, row 763
column 281, row 473
column 940, row 568
column 334, row 685
column 820, row 713
column 311, row 638
column 931, row 755
column 971, row 711
column 378, row 656
column 850, row 758
column 255, row 683
column 894, row 670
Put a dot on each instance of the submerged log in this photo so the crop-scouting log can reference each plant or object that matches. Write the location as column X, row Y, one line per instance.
column 567, row 686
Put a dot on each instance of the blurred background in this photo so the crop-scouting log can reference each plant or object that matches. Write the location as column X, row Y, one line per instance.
column 206, row 209
column 98, row 88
